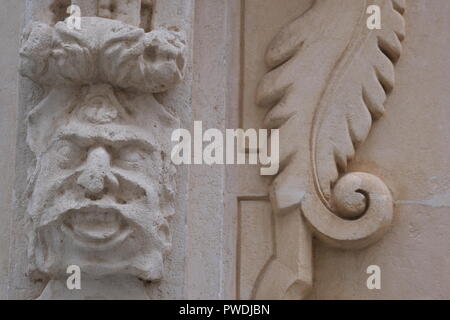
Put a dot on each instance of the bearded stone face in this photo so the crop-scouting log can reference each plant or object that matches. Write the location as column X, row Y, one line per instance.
column 103, row 185
column 102, row 191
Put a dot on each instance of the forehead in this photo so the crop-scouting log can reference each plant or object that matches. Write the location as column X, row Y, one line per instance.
column 98, row 114
column 86, row 134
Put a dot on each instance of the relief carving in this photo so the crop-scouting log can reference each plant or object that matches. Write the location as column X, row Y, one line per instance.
column 328, row 81
column 102, row 192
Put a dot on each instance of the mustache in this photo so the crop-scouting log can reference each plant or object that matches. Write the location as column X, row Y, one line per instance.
column 57, row 199
column 57, row 214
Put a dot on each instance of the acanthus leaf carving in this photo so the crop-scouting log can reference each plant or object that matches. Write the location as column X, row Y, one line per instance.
column 329, row 79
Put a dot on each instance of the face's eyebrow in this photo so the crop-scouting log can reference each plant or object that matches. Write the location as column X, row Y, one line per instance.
column 85, row 137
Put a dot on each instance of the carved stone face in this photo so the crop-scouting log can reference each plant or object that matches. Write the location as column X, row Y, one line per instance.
column 102, row 188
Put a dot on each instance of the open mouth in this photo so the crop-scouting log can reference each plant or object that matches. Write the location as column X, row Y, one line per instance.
column 95, row 226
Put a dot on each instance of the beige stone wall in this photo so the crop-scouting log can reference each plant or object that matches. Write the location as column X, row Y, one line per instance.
column 409, row 149
column 10, row 25
column 406, row 148
column 230, row 222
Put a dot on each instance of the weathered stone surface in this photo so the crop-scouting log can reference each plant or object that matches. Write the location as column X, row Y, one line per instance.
column 298, row 75
column 10, row 24
column 102, row 190
column 86, row 144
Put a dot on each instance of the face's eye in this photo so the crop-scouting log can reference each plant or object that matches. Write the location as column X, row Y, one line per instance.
column 68, row 154
column 131, row 155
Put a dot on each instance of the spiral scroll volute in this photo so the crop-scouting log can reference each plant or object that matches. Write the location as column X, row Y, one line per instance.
column 360, row 211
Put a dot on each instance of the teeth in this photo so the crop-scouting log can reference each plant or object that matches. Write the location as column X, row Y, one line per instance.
column 96, row 217
column 95, row 224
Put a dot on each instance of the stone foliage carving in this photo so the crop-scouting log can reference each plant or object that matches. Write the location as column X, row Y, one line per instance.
column 324, row 111
column 103, row 189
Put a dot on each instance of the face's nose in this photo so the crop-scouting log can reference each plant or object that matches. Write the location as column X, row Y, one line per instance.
column 97, row 173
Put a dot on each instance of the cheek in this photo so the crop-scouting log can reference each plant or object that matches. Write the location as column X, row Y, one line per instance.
column 48, row 170
column 152, row 169
column 51, row 170
column 152, row 191
column 164, row 235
